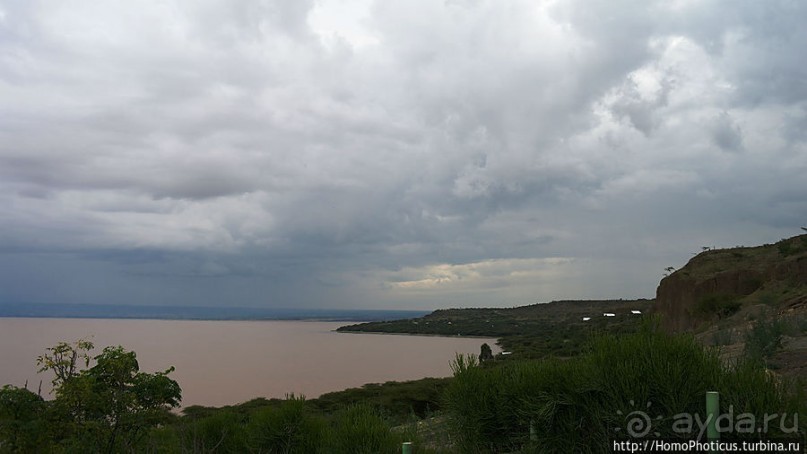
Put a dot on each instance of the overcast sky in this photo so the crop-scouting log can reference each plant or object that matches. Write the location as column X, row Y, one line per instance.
column 409, row 154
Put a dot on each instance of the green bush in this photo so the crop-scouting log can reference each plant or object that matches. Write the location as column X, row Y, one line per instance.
column 22, row 423
column 746, row 387
column 720, row 306
column 578, row 405
column 360, row 429
column 789, row 246
column 399, row 401
column 479, row 404
column 768, row 299
column 223, row 432
column 765, row 338
column 291, row 428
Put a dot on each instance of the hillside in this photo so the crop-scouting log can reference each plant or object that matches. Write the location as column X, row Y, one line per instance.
column 728, row 296
column 528, row 331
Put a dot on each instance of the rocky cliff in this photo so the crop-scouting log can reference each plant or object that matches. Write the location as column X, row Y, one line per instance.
column 718, row 283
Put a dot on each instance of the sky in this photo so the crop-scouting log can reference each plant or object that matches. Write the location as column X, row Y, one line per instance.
column 391, row 154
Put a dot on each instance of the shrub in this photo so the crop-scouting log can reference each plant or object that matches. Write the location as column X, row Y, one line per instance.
column 399, row 400
column 789, row 246
column 578, row 405
column 746, row 387
column 360, row 429
column 768, row 299
column 222, row 432
column 721, row 306
column 22, row 426
column 286, row 429
column 765, row 338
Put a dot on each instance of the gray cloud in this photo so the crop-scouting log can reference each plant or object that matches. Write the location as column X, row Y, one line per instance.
column 727, row 135
column 380, row 154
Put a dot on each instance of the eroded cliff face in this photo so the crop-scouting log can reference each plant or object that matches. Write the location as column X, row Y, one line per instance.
column 775, row 274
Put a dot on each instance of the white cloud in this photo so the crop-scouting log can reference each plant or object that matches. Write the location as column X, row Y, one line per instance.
column 479, row 276
column 298, row 138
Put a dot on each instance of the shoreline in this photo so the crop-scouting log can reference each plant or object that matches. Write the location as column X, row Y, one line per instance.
column 189, row 319
column 461, row 336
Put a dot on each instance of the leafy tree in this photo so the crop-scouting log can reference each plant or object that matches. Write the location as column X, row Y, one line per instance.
column 110, row 406
column 63, row 360
column 21, row 420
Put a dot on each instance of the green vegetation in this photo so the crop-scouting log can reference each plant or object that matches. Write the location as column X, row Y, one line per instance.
column 575, row 405
column 291, row 425
column 535, row 331
column 792, row 246
column 109, row 407
column 23, row 426
column 503, row 322
column 765, row 338
column 359, row 428
column 398, row 402
column 720, row 306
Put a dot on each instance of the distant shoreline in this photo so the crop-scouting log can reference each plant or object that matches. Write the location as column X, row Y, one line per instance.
column 190, row 319
column 110, row 311
column 417, row 334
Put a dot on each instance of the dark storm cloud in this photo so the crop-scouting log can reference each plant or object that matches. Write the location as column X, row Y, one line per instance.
column 376, row 154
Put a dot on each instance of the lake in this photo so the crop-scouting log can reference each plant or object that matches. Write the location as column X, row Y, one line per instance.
column 228, row 362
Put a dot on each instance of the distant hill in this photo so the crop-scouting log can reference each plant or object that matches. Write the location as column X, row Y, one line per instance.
column 498, row 322
column 558, row 328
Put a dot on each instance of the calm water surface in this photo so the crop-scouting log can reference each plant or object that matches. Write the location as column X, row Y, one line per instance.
column 227, row 362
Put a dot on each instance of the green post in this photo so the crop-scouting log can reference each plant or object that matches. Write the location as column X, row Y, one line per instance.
column 712, row 412
column 406, row 448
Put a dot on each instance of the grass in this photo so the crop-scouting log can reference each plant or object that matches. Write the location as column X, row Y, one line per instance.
column 494, row 408
column 399, row 402
column 292, row 425
column 360, row 429
column 765, row 338
column 792, row 246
